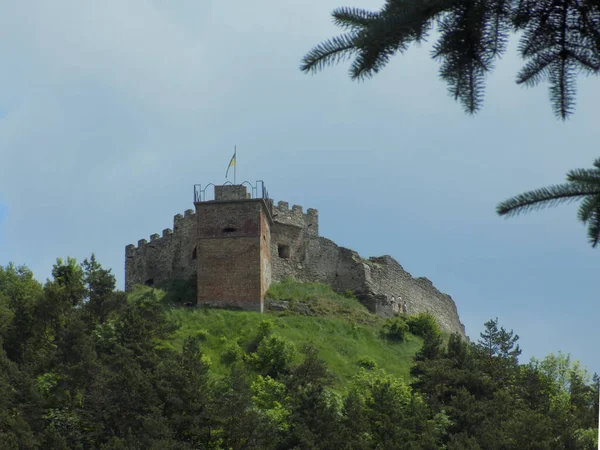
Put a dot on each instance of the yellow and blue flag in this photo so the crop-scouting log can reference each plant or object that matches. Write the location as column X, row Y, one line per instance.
column 231, row 163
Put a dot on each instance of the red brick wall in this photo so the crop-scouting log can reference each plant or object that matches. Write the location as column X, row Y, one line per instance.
column 265, row 256
column 232, row 242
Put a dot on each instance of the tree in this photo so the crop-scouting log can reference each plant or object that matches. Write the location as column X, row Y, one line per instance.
column 100, row 282
column 582, row 184
column 559, row 38
column 314, row 419
column 499, row 353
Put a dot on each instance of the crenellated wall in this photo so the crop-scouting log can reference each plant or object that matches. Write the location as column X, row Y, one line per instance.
column 167, row 257
column 297, row 251
column 294, row 217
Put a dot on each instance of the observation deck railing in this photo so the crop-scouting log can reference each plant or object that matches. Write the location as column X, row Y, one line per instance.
column 257, row 190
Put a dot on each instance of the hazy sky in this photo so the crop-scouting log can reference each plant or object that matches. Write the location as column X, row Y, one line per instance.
column 110, row 112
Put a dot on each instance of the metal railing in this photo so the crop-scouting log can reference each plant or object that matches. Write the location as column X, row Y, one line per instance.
column 257, row 190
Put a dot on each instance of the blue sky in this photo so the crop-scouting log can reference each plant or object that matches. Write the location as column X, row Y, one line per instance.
column 113, row 110
column 2, row 214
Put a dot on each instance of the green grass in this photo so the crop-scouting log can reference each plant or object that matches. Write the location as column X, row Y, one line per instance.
column 340, row 343
column 323, row 301
column 343, row 331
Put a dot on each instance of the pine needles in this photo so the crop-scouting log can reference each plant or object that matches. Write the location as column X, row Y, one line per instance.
column 560, row 40
column 582, row 185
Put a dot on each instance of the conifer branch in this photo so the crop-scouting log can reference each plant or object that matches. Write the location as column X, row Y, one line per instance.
column 543, row 198
column 588, row 208
column 560, row 39
column 353, row 19
column 329, row 53
column 594, row 228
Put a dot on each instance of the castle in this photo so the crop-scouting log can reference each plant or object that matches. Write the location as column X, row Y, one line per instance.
column 239, row 242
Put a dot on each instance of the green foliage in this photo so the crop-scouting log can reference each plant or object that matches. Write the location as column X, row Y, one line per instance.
column 232, row 353
column 383, row 412
column 367, row 363
column 179, row 292
column 348, row 293
column 100, row 283
column 123, row 377
column 270, row 396
column 339, row 343
column 582, row 185
column 274, row 356
column 558, row 40
column 424, row 325
column 69, row 274
column 395, row 329
column 586, row 439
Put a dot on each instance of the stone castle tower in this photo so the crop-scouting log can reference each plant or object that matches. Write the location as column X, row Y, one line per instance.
column 236, row 244
column 233, row 245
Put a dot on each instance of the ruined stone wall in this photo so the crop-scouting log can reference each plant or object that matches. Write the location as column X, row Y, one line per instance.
column 290, row 237
column 164, row 258
column 290, row 247
column 381, row 284
column 386, row 278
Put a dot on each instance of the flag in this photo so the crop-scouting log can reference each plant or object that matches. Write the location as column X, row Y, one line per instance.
column 231, row 163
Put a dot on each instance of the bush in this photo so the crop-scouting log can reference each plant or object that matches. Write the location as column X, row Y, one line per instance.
column 395, row 329
column 265, row 328
column 231, row 353
column 423, row 324
column 366, row 362
column 349, row 293
column 202, row 335
column 274, row 356
column 179, row 292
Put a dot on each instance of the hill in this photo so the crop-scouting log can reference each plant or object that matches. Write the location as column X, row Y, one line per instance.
column 346, row 335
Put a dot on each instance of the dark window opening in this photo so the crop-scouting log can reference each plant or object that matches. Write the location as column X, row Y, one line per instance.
column 149, row 282
column 194, row 255
column 283, row 251
column 229, row 230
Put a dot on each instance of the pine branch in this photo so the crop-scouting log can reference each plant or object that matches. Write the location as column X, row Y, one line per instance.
column 561, row 38
column 499, row 26
column 465, row 60
column 536, row 70
column 594, row 228
column 562, row 87
column 585, row 176
column 353, row 19
column 588, row 207
column 543, row 198
column 329, row 52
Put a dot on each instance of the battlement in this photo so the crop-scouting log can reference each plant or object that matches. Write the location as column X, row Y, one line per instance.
column 295, row 216
column 181, row 223
column 165, row 256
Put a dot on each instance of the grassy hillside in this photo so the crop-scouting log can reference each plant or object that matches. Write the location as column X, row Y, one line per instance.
column 344, row 331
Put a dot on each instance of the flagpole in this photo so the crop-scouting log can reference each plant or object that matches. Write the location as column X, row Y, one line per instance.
column 235, row 164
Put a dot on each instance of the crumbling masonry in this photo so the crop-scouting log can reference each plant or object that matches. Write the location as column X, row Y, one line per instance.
column 238, row 244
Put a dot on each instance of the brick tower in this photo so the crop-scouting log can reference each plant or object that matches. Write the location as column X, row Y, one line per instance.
column 233, row 248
